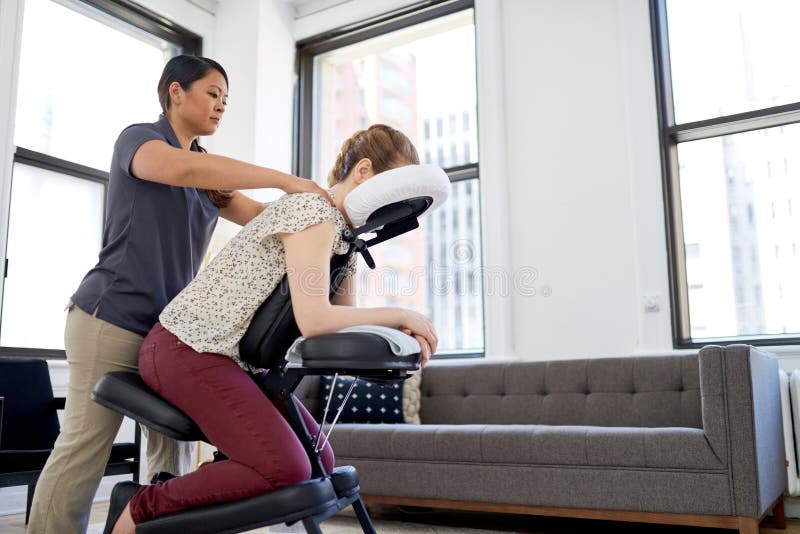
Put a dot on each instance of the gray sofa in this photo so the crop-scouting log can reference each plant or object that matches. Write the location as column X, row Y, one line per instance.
column 680, row 439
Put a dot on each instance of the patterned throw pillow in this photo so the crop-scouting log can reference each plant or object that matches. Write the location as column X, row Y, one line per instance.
column 368, row 403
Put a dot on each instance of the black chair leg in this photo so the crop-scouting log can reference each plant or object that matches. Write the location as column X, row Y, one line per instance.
column 31, row 489
column 311, row 526
column 363, row 517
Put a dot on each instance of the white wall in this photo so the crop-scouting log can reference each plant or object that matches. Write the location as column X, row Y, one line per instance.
column 253, row 42
column 583, row 168
column 314, row 17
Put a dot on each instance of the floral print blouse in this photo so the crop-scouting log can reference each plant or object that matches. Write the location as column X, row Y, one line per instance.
column 213, row 312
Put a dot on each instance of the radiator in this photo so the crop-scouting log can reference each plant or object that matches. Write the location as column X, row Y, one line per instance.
column 790, row 408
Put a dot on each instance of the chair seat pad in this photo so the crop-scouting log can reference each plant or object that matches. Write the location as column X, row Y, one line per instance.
column 283, row 505
column 13, row 461
column 127, row 393
column 353, row 350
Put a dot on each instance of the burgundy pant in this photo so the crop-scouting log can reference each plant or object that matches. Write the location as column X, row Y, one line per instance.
column 263, row 452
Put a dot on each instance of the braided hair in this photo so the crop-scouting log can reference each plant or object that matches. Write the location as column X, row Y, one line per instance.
column 384, row 146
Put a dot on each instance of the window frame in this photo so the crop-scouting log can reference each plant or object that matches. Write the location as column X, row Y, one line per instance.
column 309, row 48
column 151, row 22
column 670, row 136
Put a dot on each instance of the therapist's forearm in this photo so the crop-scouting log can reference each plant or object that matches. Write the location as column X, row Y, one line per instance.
column 211, row 171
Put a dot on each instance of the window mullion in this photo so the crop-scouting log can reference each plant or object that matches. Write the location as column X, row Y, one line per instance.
column 51, row 163
column 462, row 172
column 681, row 325
column 734, row 124
column 663, row 73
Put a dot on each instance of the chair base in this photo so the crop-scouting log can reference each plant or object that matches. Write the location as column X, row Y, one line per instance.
column 309, row 502
column 285, row 505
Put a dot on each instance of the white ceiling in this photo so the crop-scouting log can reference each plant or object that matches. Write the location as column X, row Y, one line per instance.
column 307, row 7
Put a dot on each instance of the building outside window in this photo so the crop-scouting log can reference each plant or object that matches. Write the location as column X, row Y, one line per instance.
column 74, row 97
column 437, row 268
column 729, row 107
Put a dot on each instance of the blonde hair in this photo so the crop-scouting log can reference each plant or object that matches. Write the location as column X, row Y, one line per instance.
column 384, row 146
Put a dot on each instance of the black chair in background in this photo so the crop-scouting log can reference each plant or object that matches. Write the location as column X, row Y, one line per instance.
column 30, row 427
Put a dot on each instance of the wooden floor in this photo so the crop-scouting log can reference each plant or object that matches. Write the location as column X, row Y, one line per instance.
column 395, row 520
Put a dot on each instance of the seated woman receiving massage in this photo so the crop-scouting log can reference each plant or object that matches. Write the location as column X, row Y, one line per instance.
column 191, row 356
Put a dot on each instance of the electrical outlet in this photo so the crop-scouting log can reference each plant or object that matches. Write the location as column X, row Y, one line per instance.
column 652, row 303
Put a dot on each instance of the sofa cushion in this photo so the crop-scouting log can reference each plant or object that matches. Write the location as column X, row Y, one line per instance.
column 632, row 489
column 627, row 392
column 667, row 448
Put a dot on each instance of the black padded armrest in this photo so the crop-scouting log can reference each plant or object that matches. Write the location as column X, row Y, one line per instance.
column 349, row 350
column 59, row 402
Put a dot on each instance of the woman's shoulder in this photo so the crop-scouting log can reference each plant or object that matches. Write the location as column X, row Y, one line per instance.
column 292, row 213
column 134, row 133
column 303, row 203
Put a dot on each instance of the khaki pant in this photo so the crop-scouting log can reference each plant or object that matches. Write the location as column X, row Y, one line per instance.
column 65, row 491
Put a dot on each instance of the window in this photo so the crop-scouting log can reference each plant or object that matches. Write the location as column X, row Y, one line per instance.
column 397, row 64
column 68, row 116
column 728, row 109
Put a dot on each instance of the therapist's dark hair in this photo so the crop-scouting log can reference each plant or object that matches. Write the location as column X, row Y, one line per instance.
column 185, row 70
column 384, row 146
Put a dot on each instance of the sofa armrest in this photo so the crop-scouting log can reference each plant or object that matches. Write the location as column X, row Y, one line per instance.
column 741, row 405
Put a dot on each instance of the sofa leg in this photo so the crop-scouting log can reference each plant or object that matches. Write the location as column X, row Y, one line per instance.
column 779, row 514
column 748, row 525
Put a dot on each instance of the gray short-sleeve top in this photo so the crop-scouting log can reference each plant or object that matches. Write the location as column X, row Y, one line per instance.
column 154, row 238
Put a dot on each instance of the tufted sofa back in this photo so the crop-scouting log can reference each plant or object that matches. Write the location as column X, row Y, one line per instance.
column 647, row 391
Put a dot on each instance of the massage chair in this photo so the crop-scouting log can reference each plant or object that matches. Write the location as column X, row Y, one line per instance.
column 387, row 205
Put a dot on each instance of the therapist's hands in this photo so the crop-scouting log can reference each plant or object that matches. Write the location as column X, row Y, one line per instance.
column 303, row 185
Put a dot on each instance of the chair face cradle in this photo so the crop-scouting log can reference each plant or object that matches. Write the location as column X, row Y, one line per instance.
column 264, row 345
